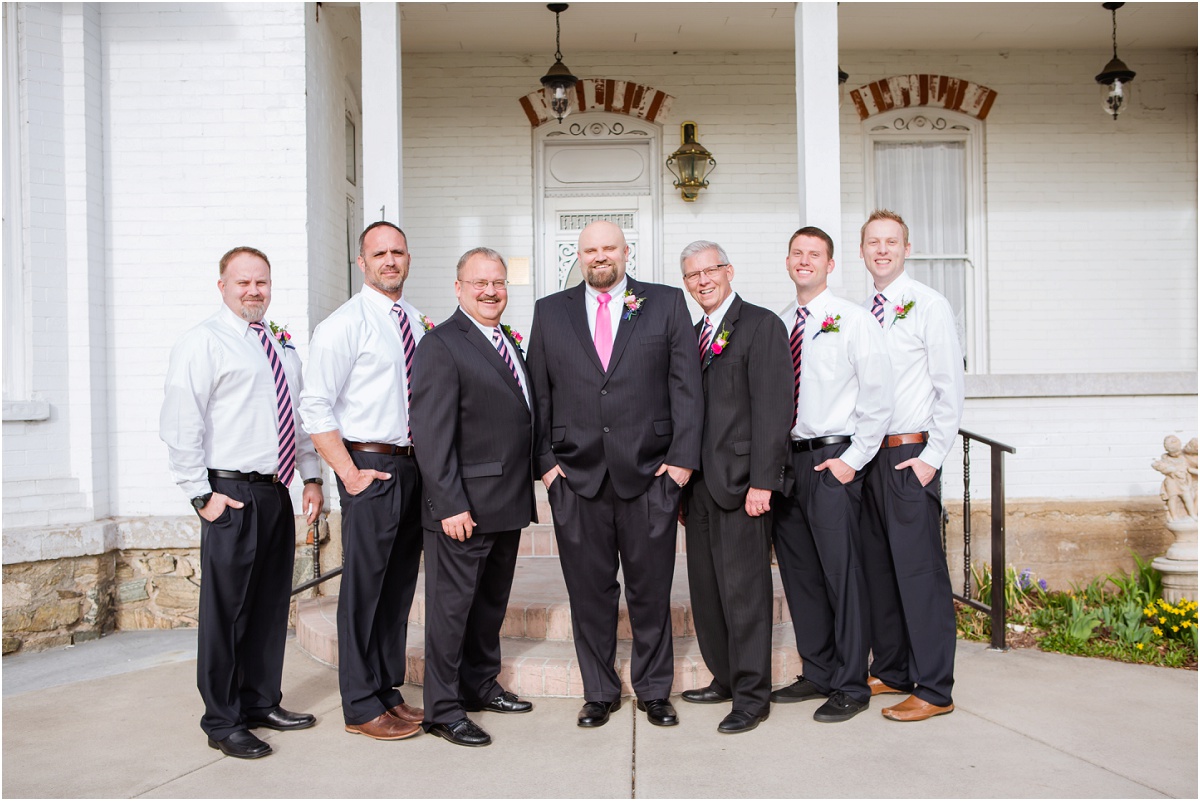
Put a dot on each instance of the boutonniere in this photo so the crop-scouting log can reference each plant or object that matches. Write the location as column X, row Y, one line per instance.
column 515, row 336
column 281, row 335
column 426, row 323
column 720, row 341
column 633, row 305
column 902, row 310
column 830, row 325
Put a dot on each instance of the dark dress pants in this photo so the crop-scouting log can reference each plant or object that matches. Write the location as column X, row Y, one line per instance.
column 594, row 536
column 467, row 585
column 816, row 544
column 381, row 554
column 912, row 632
column 729, row 572
column 246, row 558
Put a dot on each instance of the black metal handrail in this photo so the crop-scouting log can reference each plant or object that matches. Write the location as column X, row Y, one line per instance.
column 314, row 541
column 996, row 610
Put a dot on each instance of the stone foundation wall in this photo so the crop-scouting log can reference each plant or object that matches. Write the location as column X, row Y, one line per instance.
column 56, row 602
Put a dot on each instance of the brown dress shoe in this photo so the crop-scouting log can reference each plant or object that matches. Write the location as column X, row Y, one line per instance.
column 879, row 688
column 913, row 708
column 409, row 714
column 385, row 727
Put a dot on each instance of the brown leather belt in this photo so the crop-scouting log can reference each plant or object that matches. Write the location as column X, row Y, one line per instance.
column 806, row 445
column 254, row 478
column 896, row 440
column 380, row 447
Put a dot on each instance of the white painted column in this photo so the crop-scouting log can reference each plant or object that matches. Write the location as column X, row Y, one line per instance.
column 383, row 138
column 818, row 151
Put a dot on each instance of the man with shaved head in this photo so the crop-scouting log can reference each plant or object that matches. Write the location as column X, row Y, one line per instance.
column 619, row 416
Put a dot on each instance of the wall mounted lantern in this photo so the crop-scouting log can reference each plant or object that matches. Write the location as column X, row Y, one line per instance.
column 690, row 163
column 559, row 80
column 843, row 76
column 1114, row 80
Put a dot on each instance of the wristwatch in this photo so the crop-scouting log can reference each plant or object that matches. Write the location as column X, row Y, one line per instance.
column 316, row 481
column 200, row 501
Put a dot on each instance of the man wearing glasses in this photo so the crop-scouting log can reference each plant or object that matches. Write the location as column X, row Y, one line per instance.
column 473, row 424
column 743, row 454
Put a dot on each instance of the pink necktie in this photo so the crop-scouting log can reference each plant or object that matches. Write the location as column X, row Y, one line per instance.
column 877, row 307
column 603, row 330
column 706, row 336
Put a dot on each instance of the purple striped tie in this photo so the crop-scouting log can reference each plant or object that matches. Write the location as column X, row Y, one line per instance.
column 706, row 335
column 797, row 343
column 410, row 349
column 283, row 408
column 877, row 308
column 502, row 349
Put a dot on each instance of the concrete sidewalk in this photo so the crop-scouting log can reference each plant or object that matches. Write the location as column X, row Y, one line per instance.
column 119, row 718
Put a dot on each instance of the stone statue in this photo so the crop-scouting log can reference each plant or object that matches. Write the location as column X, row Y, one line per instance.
column 1179, row 484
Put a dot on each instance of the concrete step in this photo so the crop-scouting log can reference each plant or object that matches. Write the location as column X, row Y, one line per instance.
column 537, row 647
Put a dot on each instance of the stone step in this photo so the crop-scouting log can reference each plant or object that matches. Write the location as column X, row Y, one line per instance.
column 538, row 652
column 548, row 668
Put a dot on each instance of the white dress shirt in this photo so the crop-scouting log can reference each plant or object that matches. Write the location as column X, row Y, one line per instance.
column 845, row 377
column 927, row 365
column 219, row 409
column 487, row 332
column 718, row 315
column 354, row 381
column 616, row 306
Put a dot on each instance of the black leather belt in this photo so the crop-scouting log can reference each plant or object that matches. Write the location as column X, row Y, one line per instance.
column 253, row 478
column 806, row 445
column 380, row 447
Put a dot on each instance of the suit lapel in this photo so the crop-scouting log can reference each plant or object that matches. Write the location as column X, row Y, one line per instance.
column 481, row 343
column 577, row 313
column 625, row 325
column 727, row 325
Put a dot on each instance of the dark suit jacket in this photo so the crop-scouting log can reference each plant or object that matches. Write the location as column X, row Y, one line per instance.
column 644, row 411
column 472, row 430
column 748, row 405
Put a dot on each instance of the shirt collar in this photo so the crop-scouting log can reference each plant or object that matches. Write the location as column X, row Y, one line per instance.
column 813, row 304
column 718, row 315
column 486, row 330
column 895, row 290
column 616, row 292
column 235, row 321
column 376, row 298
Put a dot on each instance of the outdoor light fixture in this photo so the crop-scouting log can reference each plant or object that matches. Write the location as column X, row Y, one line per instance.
column 559, row 80
column 690, row 163
column 843, row 76
column 1116, row 77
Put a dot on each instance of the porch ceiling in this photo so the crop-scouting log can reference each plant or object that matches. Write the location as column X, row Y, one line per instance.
column 697, row 26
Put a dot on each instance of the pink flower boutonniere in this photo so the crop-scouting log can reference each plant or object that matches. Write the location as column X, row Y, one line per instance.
column 633, row 305
column 720, row 341
column 515, row 336
column 281, row 335
column 426, row 323
column 902, row 310
column 830, row 325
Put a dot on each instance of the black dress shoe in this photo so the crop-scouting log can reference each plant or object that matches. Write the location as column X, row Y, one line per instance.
column 241, row 745
column 738, row 721
column 706, row 695
column 595, row 713
column 280, row 719
column 504, row 702
column 659, row 712
column 800, row 690
column 462, row 732
column 840, row 707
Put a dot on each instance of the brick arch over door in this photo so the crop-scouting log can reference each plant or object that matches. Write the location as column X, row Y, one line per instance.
column 604, row 94
column 940, row 91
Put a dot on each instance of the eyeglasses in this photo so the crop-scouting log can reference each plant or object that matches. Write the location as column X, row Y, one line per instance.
column 501, row 284
column 711, row 272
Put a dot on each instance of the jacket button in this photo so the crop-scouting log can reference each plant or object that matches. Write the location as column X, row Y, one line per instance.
column 604, row 392
column 606, row 429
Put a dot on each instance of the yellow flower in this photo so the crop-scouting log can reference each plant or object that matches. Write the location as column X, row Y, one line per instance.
column 1140, row 646
column 1157, row 631
column 1175, row 629
column 1185, row 624
column 1162, row 620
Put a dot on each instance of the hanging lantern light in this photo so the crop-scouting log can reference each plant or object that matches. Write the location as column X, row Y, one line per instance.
column 1114, row 80
column 690, row 164
column 558, row 80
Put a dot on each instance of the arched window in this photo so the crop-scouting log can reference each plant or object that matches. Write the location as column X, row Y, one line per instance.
column 926, row 164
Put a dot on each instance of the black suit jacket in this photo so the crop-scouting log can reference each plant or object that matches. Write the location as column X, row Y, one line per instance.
column 748, row 405
column 472, row 430
column 644, row 411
